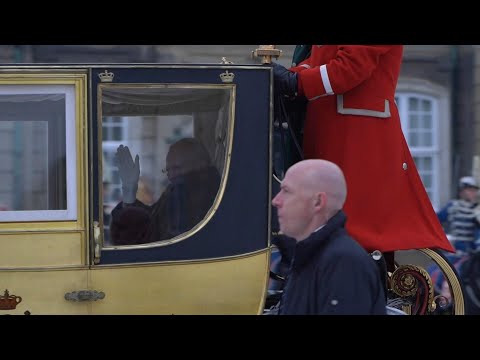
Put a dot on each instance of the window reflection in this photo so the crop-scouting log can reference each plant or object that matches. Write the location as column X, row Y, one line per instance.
column 180, row 137
column 32, row 152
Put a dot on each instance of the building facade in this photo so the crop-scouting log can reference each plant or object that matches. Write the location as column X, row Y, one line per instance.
column 437, row 95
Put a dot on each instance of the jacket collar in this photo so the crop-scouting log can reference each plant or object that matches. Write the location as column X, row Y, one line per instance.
column 307, row 248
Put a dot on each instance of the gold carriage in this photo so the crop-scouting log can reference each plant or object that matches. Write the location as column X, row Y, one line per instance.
column 59, row 128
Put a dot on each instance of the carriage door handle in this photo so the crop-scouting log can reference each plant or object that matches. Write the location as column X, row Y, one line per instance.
column 84, row 295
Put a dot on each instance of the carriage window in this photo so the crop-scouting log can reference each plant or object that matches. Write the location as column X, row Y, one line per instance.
column 164, row 151
column 37, row 152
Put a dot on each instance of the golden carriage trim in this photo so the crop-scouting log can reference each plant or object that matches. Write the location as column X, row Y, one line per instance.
column 414, row 284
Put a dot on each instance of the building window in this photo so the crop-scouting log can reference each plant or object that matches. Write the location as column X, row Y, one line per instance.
column 419, row 119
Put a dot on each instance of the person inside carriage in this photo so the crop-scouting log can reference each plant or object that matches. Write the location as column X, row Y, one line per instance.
column 351, row 119
column 193, row 185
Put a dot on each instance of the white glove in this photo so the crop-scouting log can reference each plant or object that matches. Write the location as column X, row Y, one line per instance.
column 129, row 173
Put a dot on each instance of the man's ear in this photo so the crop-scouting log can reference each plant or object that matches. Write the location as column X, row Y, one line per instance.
column 320, row 200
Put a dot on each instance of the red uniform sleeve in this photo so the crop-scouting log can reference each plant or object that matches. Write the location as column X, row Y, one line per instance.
column 350, row 67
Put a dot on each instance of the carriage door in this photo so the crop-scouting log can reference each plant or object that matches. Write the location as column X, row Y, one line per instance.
column 187, row 230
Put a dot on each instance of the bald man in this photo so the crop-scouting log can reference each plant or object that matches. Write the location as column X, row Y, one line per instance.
column 331, row 273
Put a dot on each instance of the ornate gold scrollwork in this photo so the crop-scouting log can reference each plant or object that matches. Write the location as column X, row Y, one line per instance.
column 411, row 288
column 410, row 281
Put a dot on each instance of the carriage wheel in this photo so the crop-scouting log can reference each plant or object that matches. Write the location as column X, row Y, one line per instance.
column 412, row 289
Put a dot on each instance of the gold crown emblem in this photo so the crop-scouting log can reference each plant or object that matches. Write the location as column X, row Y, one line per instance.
column 9, row 302
column 227, row 77
column 106, row 76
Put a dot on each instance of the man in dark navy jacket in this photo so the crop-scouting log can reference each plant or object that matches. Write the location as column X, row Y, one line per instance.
column 331, row 273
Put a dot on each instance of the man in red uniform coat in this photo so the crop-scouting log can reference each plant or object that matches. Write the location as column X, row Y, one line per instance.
column 353, row 121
